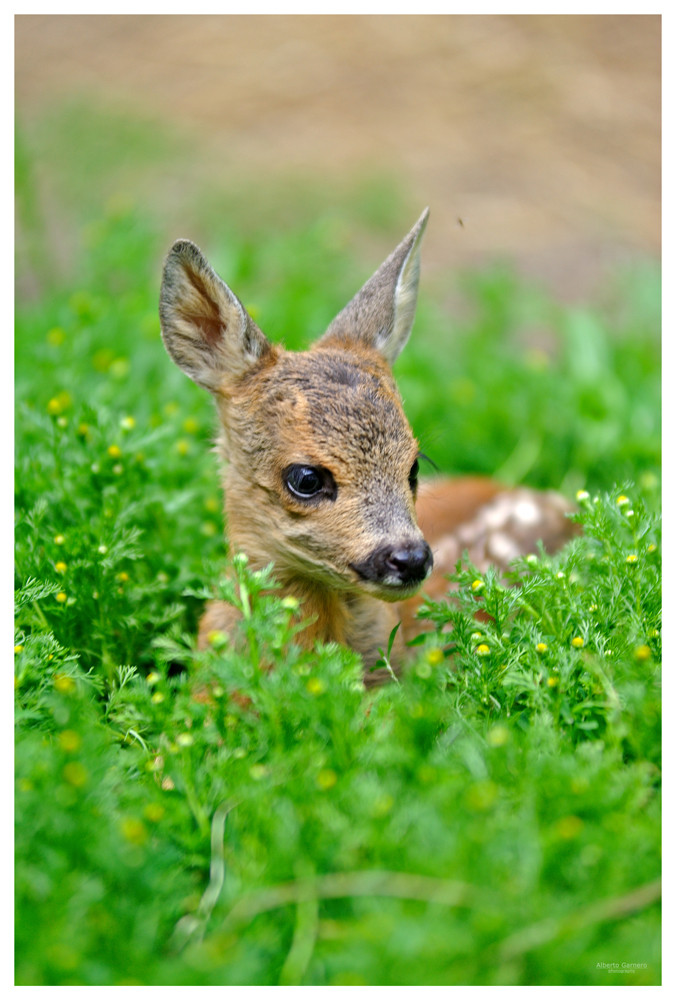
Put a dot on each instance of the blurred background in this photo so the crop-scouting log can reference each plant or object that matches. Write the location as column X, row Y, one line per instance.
column 534, row 139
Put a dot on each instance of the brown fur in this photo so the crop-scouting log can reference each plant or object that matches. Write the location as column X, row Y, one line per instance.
column 353, row 550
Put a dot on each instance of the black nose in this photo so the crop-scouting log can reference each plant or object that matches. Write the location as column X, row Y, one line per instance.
column 400, row 564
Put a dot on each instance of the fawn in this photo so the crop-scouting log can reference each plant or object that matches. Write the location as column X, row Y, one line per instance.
column 320, row 466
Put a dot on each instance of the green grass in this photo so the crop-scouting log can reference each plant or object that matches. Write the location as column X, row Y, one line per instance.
column 494, row 818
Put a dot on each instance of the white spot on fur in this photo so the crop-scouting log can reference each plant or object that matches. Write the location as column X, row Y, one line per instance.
column 502, row 548
column 527, row 512
column 496, row 515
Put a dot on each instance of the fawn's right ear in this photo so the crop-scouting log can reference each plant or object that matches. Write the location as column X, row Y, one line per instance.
column 205, row 328
column 381, row 313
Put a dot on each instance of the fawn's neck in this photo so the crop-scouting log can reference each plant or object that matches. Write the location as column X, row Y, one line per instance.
column 356, row 620
column 349, row 618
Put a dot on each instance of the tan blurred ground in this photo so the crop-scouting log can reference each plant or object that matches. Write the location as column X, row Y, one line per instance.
column 540, row 133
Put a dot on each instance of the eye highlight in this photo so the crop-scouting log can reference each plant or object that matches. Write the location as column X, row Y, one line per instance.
column 309, row 482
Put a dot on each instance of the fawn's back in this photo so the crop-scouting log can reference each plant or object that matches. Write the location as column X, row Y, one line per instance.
column 320, row 466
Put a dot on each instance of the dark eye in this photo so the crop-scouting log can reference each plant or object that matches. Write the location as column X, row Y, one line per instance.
column 413, row 476
column 307, row 482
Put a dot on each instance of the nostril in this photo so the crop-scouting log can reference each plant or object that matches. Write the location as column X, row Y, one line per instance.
column 410, row 562
column 405, row 557
column 397, row 565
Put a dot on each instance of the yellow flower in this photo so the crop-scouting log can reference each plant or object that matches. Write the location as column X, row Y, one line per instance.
column 326, row 779
column 578, row 641
column 119, row 367
column 622, row 501
column 62, row 597
column 60, row 567
column 642, row 653
column 581, row 495
column 75, row 774
column 477, row 585
column 217, row 638
column 483, row 649
column 185, row 739
column 552, row 682
column 434, row 656
column 542, row 647
column 56, row 336
column 382, row 805
column 54, row 407
column 64, row 684
column 154, row 812
column 123, row 577
column 157, row 698
column 127, row 423
column 183, row 447
column 498, row 736
column 18, row 648
column 133, row 830
column 59, row 539
column 114, row 451
column 569, row 827
column 632, row 558
column 315, row 685
column 69, row 740
column 481, row 795
column 190, row 425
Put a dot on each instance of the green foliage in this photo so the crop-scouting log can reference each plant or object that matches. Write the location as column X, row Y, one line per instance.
column 266, row 822
column 247, row 814
column 574, row 638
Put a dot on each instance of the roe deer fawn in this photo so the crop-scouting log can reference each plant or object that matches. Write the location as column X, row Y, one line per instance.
column 320, row 464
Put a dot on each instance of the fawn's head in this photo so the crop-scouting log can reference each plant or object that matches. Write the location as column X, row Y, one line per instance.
column 320, row 461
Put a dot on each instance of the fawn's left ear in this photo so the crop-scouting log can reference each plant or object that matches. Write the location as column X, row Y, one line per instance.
column 205, row 328
column 381, row 313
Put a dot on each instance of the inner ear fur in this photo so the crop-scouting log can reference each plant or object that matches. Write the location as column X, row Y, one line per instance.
column 205, row 328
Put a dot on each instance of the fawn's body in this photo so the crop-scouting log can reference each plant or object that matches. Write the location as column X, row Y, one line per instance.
column 320, row 464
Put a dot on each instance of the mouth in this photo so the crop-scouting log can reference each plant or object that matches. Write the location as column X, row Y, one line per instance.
column 390, row 592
